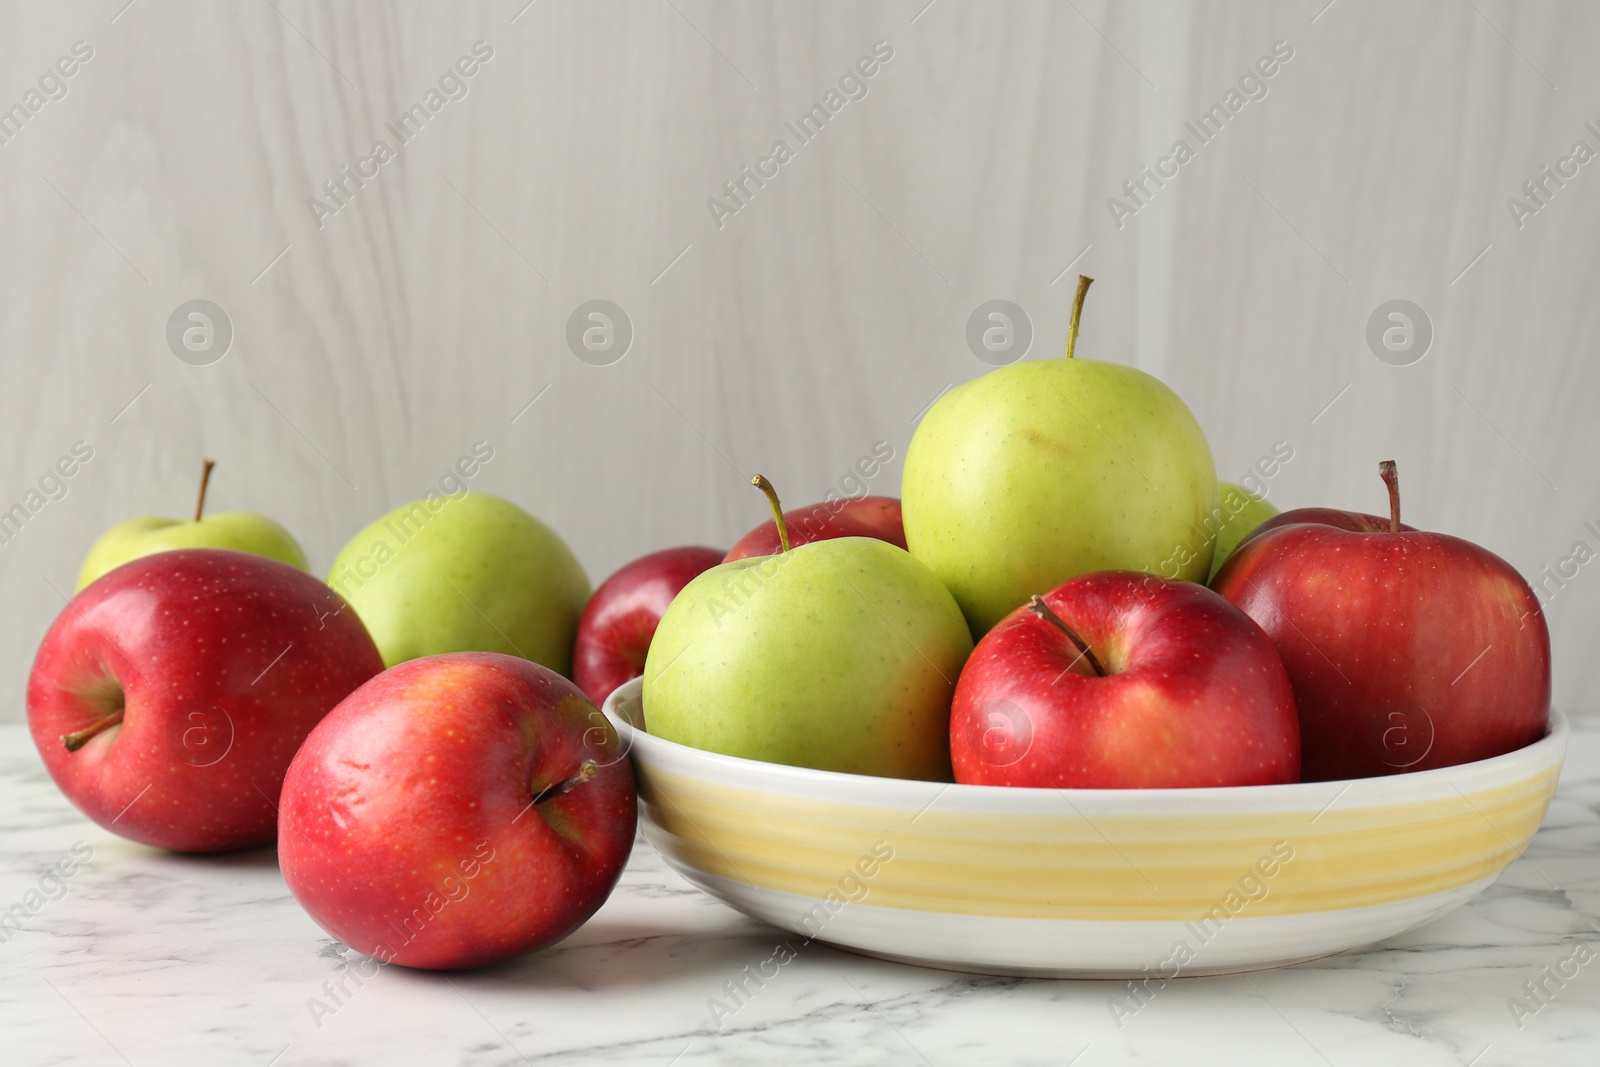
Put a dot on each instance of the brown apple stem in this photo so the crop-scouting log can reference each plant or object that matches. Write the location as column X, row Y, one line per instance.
column 761, row 483
column 585, row 772
column 1041, row 609
column 205, row 479
column 79, row 738
column 1391, row 478
column 1084, row 281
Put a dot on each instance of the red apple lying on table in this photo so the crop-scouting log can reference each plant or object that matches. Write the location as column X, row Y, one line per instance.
column 1407, row 650
column 456, row 811
column 169, row 696
column 621, row 617
column 1119, row 680
column 867, row 516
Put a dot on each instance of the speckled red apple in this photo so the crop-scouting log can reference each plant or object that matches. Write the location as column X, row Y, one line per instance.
column 1408, row 650
column 867, row 516
column 615, row 629
column 456, row 811
column 169, row 696
column 1122, row 680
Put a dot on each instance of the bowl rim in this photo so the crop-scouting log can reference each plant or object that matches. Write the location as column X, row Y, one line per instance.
column 1548, row 750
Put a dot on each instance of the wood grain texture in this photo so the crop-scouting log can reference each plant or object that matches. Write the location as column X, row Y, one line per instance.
column 825, row 314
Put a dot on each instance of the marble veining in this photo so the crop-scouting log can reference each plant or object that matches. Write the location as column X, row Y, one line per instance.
column 139, row 957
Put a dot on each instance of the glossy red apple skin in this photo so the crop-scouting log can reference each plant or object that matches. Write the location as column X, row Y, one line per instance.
column 617, row 624
column 1194, row 694
column 1354, row 521
column 867, row 516
column 1407, row 651
column 408, row 828
column 225, row 660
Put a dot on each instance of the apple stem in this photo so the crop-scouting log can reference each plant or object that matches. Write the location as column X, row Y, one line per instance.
column 205, row 479
column 79, row 738
column 585, row 772
column 761, row 483
column 1391, row 478
column 1041, row 609
column 1084, row 281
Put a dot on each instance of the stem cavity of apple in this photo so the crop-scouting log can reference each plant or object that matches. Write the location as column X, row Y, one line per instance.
column 1084, row 281
column 1391, row 478
column 1041, row 609
column 205, row 479
column 78, row 738
column 585, row 772
column 761, row 483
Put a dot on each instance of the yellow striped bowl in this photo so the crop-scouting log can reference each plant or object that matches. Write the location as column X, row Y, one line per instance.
column 1148, row 883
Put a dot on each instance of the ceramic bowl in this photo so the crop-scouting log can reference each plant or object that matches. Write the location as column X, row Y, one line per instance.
column 1086, row 882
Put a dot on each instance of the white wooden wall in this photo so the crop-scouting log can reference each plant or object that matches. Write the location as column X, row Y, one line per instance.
column 371, row 351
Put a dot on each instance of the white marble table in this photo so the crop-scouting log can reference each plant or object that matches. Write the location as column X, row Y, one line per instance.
column 147, row 958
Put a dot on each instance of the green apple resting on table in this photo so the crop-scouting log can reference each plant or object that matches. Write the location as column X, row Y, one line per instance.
column 243, row 531
column 467, row 572
column 1046, row 469
column 1242, row 511
column 840, row 655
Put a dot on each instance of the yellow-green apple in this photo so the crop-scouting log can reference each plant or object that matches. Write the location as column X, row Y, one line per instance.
column 243, row 531
column 168, row 698
column 615, row 629
column 1123, row 680
column 457, row 811
column 1241, row 511
column 867, row 516
column 467, row 572
column 840, row 655
column 1046, row 469
column 1408, row 650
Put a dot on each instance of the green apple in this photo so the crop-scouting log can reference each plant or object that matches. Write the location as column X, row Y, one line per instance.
column 243, row 531
column 840, row 655
column 1046, row 469
column 1242, row 511
column 467, row 572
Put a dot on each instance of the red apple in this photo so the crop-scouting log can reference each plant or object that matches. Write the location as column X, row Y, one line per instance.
column 1344, row 520
column 867, row 516
column 169, row 696
column 616, row 627
column 1121, row 680
column 1407, row 650
column 456, row 811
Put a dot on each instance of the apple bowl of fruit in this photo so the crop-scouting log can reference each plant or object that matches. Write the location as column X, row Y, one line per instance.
column 1054, row 721
column 1085, row 882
